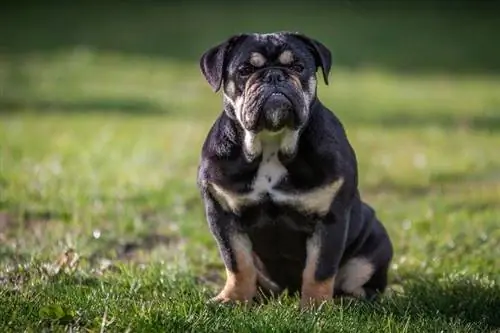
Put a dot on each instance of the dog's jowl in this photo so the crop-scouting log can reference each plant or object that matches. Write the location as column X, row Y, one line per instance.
column 279, row 178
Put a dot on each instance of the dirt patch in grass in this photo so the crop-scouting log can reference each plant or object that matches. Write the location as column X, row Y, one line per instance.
column 139, row 250
column 128, row 250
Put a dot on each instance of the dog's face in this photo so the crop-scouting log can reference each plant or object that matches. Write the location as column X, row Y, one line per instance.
column 268, row 80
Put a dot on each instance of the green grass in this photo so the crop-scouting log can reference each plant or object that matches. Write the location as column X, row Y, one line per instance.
column 98, row 153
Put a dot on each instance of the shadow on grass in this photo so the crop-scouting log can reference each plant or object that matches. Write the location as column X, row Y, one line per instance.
column 127, row 250
column 128, row 106
column 467, row 299
column 437, row 301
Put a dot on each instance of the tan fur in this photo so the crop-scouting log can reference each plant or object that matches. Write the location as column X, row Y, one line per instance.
column 230, row 88
column 240, row 286
column 314, row 292
column 257, row 59
column 252, row 144
column 290, row 142
column 354, row 274
column 296, row 81
column 286, row 57
column 229, row 201
column 316, row 201
column 309, row 95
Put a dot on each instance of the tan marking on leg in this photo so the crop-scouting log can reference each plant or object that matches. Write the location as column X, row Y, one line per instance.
column 354, row 274
column 286, row 57
column 314, row 292
column 257, row 59
column 241, row 286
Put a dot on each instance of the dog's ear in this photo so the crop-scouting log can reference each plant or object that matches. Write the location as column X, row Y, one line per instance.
column 322, row 54
column 214, row 60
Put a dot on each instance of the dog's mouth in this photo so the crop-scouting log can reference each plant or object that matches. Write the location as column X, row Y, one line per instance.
column 277, row 111
column 277, row 100
column 272, row 107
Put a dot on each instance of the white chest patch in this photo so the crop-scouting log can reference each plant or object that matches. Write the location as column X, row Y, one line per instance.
column 270, row 172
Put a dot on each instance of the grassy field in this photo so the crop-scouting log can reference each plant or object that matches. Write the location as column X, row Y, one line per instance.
column 101, row 124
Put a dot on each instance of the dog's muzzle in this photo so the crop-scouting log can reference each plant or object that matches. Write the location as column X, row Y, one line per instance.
column 277, row 109
column 273, row 101
column 277, row 112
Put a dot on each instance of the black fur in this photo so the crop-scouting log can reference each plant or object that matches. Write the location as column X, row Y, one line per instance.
column 278, row 232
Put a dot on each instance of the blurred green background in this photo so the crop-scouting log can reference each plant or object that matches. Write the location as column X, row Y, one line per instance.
column 111, row 94
column 60, row 55
column 424, row 36
column 104, row 104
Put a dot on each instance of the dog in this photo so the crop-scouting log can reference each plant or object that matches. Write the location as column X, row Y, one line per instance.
column 278, row 178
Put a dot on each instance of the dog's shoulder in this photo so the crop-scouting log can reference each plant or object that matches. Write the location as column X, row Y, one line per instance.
column 326, row 125
column 327, row 133
column 221, row 153
column 325, row 145
column 222, row 140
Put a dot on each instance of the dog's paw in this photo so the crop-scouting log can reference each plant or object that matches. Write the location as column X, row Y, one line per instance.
column 227, row 299
column 234, row 296
column 315, row 295
column 317, row 303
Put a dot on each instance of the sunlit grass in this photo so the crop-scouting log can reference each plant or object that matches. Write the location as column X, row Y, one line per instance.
column 98, row 153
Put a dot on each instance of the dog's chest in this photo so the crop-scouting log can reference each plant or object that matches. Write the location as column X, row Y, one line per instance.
column 264, row 188
column 263, row 185
column 269, row 173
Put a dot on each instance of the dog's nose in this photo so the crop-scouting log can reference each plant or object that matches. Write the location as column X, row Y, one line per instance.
column 274, row 76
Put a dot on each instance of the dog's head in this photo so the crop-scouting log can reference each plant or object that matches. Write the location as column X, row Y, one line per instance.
column 268, row 80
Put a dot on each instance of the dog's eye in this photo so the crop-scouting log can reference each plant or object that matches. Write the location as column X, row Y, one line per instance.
column 297, row 67
column 246, row 69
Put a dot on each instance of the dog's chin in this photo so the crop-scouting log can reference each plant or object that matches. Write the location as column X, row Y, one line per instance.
column 277, row 112
column 272, row 111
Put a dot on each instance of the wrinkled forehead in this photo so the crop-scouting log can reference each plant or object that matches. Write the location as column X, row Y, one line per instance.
column 271, row 49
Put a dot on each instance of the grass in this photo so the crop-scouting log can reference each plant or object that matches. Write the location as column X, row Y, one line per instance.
column 101, row 225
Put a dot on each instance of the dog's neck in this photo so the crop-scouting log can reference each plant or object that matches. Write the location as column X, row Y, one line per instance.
column 286, row 140
column 229, row 110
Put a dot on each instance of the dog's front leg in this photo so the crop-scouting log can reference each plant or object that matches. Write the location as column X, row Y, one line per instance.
column 236, row 251
column 324, row 251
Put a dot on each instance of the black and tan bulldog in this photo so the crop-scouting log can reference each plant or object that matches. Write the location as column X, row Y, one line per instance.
column 279, row 180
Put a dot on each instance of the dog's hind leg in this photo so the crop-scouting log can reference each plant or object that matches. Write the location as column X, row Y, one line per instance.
column 365, row 275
